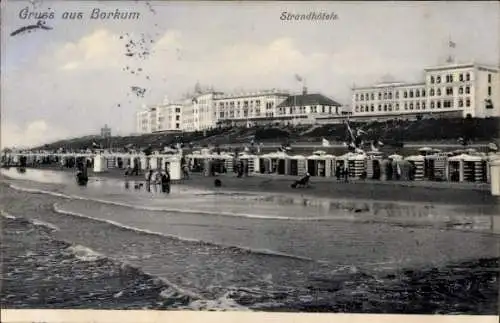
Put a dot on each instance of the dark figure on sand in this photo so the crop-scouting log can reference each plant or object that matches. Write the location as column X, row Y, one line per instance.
column 81, row 178
column 149, row 177
column 217, row 183
column 303, row 182
column 185, row 171
column 165, row 183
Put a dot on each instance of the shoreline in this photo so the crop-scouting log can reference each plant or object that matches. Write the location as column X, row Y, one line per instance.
column 463, row 194
column 412, row 287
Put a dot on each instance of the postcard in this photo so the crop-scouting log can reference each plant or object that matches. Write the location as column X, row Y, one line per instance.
column 250, row 161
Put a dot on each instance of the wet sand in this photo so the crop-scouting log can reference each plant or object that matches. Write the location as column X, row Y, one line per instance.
column 403, row 191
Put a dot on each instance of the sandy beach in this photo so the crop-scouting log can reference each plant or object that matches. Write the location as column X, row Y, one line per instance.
column 255, row 243
column 322, row 187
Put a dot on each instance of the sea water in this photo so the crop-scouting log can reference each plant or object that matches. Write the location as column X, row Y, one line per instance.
column 215, row 249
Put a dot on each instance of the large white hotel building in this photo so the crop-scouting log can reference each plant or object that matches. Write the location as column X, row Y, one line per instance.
column 211, row 109
column 451, row 90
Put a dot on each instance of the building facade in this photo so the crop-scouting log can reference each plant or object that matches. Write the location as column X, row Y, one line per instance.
column 248, row 108
column 143, row 124
column 212, row 109
column 451, row 90
column 169, row 117
column 307, row 109
column 198, row 112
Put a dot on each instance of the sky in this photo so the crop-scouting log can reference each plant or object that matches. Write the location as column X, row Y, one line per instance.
column 69, row 81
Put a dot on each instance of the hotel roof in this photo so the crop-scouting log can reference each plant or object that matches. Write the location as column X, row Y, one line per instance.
column 385, row 85
column 451, row 66
column 308, row 99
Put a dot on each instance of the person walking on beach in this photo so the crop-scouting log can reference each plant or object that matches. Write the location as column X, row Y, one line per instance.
column 149, row 177
column 165, row 182
column 185, row 171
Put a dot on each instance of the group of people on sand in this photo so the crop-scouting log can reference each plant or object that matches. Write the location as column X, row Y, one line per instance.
column 159, row 180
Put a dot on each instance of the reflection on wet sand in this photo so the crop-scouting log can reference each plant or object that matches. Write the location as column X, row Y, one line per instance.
column 482, row 218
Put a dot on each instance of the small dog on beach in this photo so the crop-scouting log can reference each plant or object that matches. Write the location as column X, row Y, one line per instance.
column 217, row 183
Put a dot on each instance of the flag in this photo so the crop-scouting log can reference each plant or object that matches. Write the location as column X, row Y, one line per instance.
column 298, row 77
column 350, row 131
column 325, row 143
column 451, row 44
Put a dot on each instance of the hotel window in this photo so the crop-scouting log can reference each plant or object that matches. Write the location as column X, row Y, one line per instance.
column 449, row 91
column 385, row 96
column 397, row 106
column 461, row 90
column 432, row 79
column 467, row 77
column 385, row 107
column 423, row 93
column 372, row 108
column 438, row 92
column 380, row 96
column 489, row 78
column 460, row 103
column 451, row 78
column 390, row 107
column 432, row 104
column 438, row 79
column 417, row 106
column 461, row 77
column 411, row 106
column 411, row 94
column 467, row 90
column 406, row 106
column 489, row 90
column 405, row 94
column 438, row 105
column 362, row 97
column 432, row 92
column 417, row 93
column 390, row 95
column 423, row 105
column 379, row 107
column 362, row 109
column 372, row 96
column 467, row 103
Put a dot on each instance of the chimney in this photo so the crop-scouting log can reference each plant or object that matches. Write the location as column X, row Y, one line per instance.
column 304, row 90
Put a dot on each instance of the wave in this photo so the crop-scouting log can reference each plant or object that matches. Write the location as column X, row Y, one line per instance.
column 83, row 253
column 35, row 222
column 342, row 205
column 7, row 215
column 45, row 224
column 265, row 252
column 173, row 210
